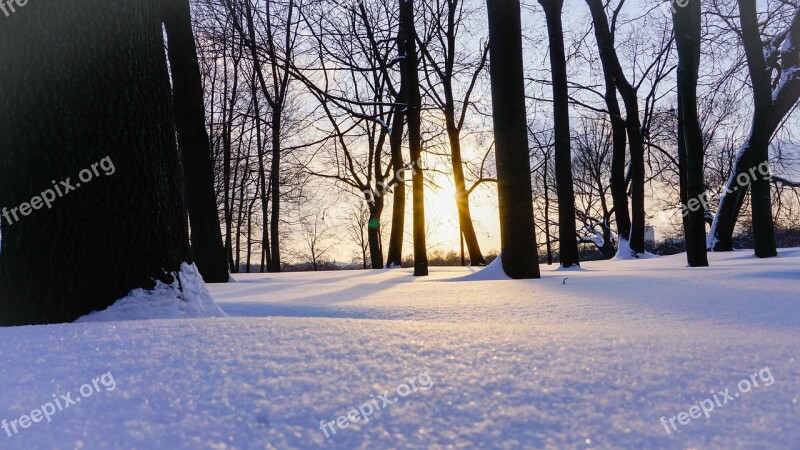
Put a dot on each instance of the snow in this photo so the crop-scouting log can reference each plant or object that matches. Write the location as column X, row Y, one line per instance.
column 186, row 297
column 625, row 253
column 591, row 363
column 494, row 271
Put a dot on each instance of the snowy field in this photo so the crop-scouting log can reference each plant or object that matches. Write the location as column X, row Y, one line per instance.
column 462, row 359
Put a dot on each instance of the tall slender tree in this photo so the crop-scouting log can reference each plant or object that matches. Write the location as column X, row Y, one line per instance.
column 517, row 234
column 687, row 22
column 414, row 110
column 394, row 256
column 443, row 68
column 567, row 233
column 193, row 143
column 81, row 83
column 633, row 124
column 619, row 142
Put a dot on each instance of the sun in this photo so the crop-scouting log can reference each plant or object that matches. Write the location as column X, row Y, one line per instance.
column 442, row 200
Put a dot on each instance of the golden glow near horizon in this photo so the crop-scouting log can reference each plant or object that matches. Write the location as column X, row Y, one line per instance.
column 442, row 215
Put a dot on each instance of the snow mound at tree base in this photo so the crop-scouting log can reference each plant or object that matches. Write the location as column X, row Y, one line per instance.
column 492, row 272
column 188, row 298
column 624, row 253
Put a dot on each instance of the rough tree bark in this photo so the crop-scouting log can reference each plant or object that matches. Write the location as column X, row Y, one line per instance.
column 517, row 234
column 79, row 82
column 193, row 143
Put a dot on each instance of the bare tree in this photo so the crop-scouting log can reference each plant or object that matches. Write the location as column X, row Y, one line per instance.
column 775, row 92
column 614, row 74
column 317, row 239
column 445, row 69
column 357, row 223
column 273, row 48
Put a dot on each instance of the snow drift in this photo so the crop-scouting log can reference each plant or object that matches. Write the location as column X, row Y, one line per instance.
column 186, row 297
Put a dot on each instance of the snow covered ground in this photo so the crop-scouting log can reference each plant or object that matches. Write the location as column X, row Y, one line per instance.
column 579, row 359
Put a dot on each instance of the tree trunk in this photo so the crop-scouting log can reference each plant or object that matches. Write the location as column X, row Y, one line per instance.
column 414, row 110
column 466, row 225
column 262, row 178
column 720, row 237
column 84, row 82
column 394, row 258
column 249, row 236
column 374, row 233
column 395, row 255
column 275, row 184
column 638, row 212
column 227, row 150
column 547, row 237
column 761, row 201
column 687, row 22
column 454, row 127
column 619, row 139
column 193, row 143
column 567, row 233
column 517, row 234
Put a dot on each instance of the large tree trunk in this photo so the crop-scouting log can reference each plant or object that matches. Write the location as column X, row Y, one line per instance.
column 193, row 142
column 687, row 22
column 761, row 201
column 414, row 108
column 81, row 82
column 567, row 233
column 517, row 234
